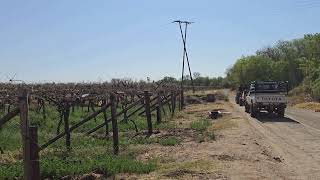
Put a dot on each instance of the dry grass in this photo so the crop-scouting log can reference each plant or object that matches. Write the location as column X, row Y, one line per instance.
column 219, row 94
column 224, row 123
column 10, row 157
column 197, row 166
column 179, row 170
column 200, row 93
column 202, row 108
column 309, row 105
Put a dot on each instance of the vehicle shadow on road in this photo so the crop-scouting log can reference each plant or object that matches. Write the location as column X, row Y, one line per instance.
column 266, row 117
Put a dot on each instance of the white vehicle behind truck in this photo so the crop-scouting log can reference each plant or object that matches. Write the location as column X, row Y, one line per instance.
column 268, row 96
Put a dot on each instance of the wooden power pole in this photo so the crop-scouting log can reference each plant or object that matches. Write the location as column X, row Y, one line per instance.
column 184, row 57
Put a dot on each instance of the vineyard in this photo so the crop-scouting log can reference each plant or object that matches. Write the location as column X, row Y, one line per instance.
column 56, row 130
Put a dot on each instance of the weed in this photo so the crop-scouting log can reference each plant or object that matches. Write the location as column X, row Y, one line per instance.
column 200, row 125
column 211, row 135
column 145, row 140
column 199, row 166
column 200, row 138
column 169, row 141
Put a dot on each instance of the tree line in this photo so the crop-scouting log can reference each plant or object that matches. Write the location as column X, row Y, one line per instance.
column 198, row 80
column 296, row 61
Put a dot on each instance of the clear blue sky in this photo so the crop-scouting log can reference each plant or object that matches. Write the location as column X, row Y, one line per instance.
column 81, row 40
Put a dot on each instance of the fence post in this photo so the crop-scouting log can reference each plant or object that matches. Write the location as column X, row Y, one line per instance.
column 34, row 153
column 44, row 110
column 159, row 108
column 89, row 104
column 23, row 106
column 125, row 117
column 114, row 124
column 106, row 120
column 148, row 112
column 173, row 102
column 181, row 99
column 66, row 113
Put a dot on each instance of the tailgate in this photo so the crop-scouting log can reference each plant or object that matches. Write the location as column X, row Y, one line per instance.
column 271, row 98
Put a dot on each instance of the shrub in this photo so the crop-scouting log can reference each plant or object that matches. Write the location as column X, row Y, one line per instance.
column 316, row 90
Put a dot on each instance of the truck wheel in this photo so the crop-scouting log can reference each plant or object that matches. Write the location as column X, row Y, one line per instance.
column 281, row 112
column 253, row 113
column 241, row 102
column 246, row 108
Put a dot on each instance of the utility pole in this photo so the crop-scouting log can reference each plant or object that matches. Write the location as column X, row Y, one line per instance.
column 185, row 53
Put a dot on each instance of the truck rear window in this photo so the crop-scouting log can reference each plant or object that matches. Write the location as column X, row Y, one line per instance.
column 270, row 87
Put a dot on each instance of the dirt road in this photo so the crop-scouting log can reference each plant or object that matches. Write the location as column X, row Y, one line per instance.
column 305, row 117
column 296, row 138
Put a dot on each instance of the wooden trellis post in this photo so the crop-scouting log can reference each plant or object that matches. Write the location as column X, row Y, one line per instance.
column 114, row 124
column 29, row 140
column 66, row 113
column 23, row 105
column 173, row 102
column 181, row 99
column 106, row 120
column 44, row 110
column 34, row 153
column 159, row 108
column 148, row 111
column 125, row 117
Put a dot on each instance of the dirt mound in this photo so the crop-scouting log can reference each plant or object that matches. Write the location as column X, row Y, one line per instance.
column 211, row 98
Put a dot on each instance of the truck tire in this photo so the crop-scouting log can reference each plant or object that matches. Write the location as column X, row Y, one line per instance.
column 240, row 102
column 281, row 112
column 253, row 112
column 246, row 108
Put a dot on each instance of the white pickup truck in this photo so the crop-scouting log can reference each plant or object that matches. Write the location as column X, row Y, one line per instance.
column 268, row 96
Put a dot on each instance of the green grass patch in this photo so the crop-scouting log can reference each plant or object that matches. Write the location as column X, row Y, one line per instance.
column 56, row 168
column 200, row 125
column 204, row 134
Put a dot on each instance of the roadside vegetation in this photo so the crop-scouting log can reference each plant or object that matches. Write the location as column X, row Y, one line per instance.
column 309, row 105
column 296, row 61
column 199, row 80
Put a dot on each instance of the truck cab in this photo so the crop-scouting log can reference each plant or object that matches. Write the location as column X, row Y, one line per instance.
column 267, row 96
